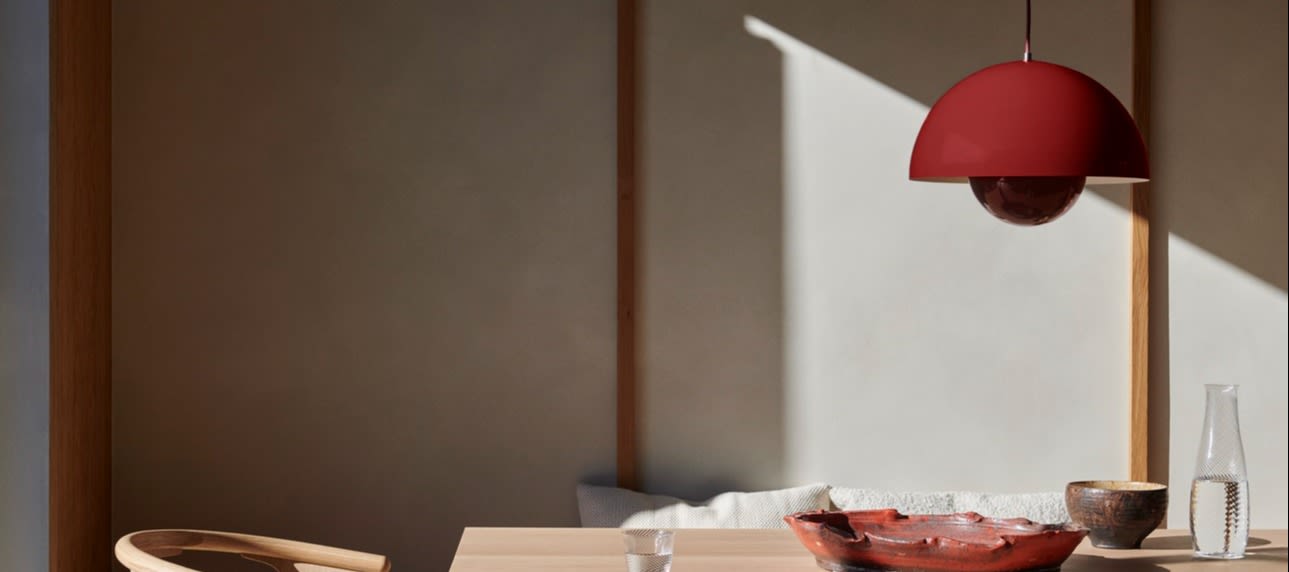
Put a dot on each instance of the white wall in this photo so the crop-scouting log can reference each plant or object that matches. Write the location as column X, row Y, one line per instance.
column 1219, row 152
column 811, row 315
column 24, row 284
column 935, row 339
column 363, row 267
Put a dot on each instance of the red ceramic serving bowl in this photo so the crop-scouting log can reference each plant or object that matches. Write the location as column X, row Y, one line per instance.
column 884, row 539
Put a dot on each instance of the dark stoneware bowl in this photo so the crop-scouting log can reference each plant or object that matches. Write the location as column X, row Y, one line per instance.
column 1118, row 514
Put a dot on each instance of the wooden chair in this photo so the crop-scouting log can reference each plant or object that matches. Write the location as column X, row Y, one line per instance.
column 143, row 552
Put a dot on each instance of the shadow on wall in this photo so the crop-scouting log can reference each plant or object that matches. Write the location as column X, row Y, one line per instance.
column 911, row 329
column 363, row 267
column 1220, row 132
column 711, row 297
column 1220, row 125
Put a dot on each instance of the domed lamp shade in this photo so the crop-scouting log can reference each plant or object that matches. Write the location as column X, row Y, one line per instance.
column 1028, row 136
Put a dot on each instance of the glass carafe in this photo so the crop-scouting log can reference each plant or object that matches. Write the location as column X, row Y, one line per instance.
column 1220, row 491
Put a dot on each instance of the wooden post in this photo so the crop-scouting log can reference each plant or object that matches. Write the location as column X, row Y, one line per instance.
column 80, row 250
column 1139, row 449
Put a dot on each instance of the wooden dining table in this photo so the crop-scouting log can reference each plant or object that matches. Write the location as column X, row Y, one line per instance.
column 746, row 550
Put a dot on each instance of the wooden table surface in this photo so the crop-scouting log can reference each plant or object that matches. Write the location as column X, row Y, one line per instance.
column 600, row 550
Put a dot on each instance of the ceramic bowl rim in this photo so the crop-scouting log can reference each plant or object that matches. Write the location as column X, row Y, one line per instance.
column 1118, row 486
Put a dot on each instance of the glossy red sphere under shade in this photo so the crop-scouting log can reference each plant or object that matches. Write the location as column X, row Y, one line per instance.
column 1027, row 201
column 1029, row 119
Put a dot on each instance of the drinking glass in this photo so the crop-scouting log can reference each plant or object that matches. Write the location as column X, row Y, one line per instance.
column 648, row 550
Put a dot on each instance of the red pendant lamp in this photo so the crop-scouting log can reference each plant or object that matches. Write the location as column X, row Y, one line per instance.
column 1028, row 136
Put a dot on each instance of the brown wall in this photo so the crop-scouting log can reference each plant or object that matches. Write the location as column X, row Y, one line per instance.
column 363, row 267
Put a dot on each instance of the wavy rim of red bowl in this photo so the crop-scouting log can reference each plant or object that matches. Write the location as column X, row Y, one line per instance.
column 1016, row 528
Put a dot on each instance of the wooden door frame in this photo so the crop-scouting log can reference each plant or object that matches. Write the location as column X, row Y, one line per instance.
column 80, row 303
column 1139, row 390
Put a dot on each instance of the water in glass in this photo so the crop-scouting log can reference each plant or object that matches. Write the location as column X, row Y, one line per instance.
column 648, row 550
column 1220, row 491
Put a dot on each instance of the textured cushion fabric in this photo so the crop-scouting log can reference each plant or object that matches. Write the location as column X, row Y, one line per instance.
column 610, row 507
column 1047, row 508
column 908, row 503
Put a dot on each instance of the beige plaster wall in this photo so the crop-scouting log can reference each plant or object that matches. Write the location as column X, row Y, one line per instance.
column 363, row 267
column 810, row 315
column 1219, row 152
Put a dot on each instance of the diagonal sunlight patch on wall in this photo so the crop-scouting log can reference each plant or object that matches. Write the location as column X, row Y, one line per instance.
column 1228, row 326
column 928, row 345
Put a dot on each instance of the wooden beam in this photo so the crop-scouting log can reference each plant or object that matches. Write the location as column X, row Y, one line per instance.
column 1139, row 450
column 80, row 249
column 627, row 367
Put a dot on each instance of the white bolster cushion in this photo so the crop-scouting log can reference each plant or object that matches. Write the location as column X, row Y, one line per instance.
column 613, row 507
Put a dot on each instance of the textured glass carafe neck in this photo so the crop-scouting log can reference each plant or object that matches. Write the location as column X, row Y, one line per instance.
column 1221, row 451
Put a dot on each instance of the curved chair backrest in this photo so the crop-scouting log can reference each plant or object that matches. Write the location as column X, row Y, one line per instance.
column 143, row 551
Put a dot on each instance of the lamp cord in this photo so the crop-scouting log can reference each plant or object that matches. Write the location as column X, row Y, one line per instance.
column 1028, row 55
